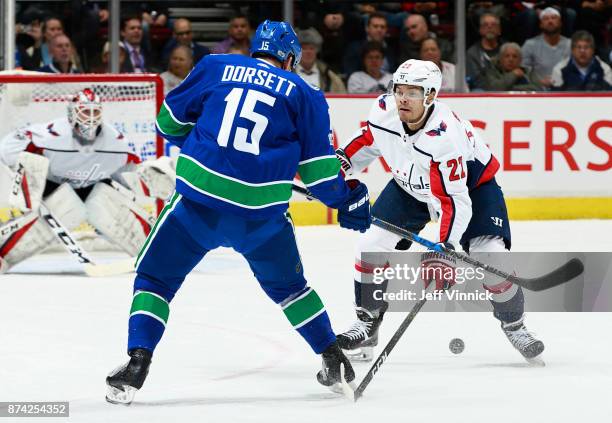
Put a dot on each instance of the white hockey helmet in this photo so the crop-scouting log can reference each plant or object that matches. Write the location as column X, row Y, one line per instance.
column 420, row 73
column 85, row 116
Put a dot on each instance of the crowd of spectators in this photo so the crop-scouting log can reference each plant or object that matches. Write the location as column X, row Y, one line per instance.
column 355, row 47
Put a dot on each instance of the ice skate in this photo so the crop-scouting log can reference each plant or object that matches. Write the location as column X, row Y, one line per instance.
column 361, row 338
column 124, row 381
column 524, row 341
column 331, row 374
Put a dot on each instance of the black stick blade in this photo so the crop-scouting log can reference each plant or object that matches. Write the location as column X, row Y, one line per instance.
column 563, row 274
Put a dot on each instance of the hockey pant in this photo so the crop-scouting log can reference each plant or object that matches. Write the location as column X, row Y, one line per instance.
column 184, row 232
column 483, row 238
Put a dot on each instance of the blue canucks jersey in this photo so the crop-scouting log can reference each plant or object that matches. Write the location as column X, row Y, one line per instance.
column 245, row 128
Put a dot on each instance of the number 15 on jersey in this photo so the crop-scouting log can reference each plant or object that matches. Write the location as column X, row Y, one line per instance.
column 244, row 140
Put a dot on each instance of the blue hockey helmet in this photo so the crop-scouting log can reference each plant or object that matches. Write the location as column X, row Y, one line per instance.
column 277, row 39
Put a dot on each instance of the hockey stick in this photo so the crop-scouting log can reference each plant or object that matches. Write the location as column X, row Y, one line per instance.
column 70, row 244
column 304, row 191
column 384, row 354
column 562, row 274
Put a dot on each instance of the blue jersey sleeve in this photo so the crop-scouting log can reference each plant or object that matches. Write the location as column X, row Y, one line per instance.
column 183, row 106
column 318, row 168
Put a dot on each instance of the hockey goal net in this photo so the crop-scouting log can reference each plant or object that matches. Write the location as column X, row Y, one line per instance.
column 130, row 103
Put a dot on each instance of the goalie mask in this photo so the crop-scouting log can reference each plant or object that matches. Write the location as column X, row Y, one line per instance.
column 85, row 116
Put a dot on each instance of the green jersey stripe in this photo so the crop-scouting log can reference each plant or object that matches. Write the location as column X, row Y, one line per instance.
column 169, row 125
column 315, row 171
column 229, row 189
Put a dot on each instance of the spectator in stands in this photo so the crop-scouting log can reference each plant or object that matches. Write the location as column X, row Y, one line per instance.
column 139, row 59
column 543, row 52
column 38, row 54
column 374, row 79
column 582, row 71
column 594, row 16
column 179, row 66
column 314, row 71
column 506, row 73
column 60, row 49
column 335, row 35
column 239, row 32
column 376, row 31
column 104, row 66
column 183, row 35
column 417, row 31
column 481, row 53
column 431, row 51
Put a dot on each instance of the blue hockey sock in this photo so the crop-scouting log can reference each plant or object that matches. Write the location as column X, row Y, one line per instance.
column 148, row 314
column 306, row 312
column 510, row 310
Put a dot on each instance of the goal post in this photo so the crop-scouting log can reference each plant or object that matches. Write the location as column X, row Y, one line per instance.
column 130, row 103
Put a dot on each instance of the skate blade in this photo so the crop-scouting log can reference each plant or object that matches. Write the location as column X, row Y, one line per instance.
column 536, row 361
column 344, row 388
column 117, row 396
column 348, row 389
column 360, row 355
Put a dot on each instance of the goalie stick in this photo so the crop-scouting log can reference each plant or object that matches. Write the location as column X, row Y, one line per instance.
column 561, row 275
column 70, row 244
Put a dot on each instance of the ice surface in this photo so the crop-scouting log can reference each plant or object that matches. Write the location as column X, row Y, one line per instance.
column 229, row 355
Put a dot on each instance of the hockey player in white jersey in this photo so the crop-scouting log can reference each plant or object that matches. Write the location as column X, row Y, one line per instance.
column 441, row 168
column 74, row 164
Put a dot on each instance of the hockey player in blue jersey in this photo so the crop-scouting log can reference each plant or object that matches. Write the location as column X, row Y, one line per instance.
column 245, row 126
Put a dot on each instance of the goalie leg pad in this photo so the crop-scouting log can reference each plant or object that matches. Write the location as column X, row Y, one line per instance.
column 118, row 218
column 28, row 182
column 67, row 206
column 22, row 238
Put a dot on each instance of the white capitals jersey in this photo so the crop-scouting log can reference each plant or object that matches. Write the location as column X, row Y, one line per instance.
column 69, row 161
column 438, row 164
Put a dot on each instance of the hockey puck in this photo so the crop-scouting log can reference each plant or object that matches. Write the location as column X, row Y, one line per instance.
column 456, row 345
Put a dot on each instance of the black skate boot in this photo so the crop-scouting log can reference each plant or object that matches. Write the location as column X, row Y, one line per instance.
column 331, row 374
column 524, row 341
column 362, row 336
column 124, row 381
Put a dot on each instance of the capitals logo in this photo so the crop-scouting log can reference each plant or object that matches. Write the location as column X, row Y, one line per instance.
column 438, row 131
column 382, row 104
